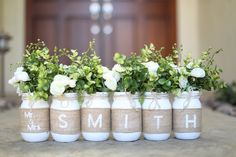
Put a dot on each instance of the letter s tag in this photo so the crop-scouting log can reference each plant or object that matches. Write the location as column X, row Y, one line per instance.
column 62, row 123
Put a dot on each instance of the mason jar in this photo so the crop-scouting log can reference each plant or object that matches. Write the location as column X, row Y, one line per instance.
column 187, row 110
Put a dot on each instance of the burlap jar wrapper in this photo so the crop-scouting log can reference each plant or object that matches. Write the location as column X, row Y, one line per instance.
column 126, row 120
column 34, row 120
column 157, row 121
column 96, row 119
column 65, row 121
column 187, row 120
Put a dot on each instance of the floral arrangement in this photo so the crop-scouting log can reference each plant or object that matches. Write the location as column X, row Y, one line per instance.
column 62, row 83
column 35, row 73
column 198, row 74
column 132, row 73
column 161, row 70
column 84, row 74
column 41, row 74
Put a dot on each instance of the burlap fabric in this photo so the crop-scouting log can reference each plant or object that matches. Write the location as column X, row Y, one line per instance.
column 187, row 120
column 157, row 121
column 95, row 119
column 126, row 120
column 65, row 121
column 34, row 120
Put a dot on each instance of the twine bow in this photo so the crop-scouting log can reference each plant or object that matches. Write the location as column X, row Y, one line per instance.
column 133, row 105
column 157, row 106
column 31, row 101
column 64, row 103
column 187, row 101
column 89, row 101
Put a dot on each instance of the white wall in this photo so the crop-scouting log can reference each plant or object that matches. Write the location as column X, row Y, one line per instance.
column 187, row 26
column 209, row 23
column 14, row 25
column 1, row 23
column 1, row 14
column 217, row 28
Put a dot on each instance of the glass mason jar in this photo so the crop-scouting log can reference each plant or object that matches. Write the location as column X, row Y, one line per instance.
column 126, row 117
column 96, row 111
column 157, row 116
column 187, row 115
column 34, row 119
column 65, row 118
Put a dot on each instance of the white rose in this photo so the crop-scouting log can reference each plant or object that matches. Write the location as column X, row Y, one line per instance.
column 198, row 73
column 107, row 75
column 152, row 67
column 21, row 76
column 105, row 69
column 183, row 82
column 118, row 68
column 116, row 75
column 111, row 74
column 72, row 83
column 111, row 83
column 57, row 88
column 62, row 78
column 12, row 81
column 19, row 69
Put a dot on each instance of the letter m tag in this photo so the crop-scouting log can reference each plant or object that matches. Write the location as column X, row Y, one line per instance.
column 94, row 124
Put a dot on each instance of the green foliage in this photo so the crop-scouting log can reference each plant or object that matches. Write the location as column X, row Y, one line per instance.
column 86, row 68
column 212, row 79
column 165, row 76
column 149, row 71
column 41, row 68
column 134, row 73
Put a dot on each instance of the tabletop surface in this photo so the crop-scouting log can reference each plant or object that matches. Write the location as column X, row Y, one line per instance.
column 218, row 140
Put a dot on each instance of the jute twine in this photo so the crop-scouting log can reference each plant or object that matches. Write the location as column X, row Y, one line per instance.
column 179, row 120
column 126, row 120
column 157, row 121
column 65, row 121
column 34, row 120
column 155, row 101
column 95, row 119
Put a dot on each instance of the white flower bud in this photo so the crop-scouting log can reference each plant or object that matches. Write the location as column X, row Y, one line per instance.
column 198, row 73
column 183, row 82
column 152, row 67
column 21, row 76
column 57, row 88
column 111, row 83
column 118, row 68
